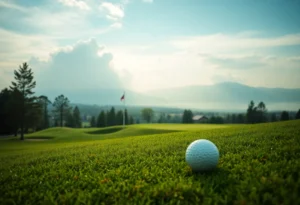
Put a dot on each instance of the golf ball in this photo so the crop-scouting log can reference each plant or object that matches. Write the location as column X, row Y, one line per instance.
column 202, row 155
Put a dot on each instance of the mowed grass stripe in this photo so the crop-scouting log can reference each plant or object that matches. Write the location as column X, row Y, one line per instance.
column 259, row 164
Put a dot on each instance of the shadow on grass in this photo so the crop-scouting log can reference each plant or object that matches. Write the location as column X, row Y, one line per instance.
column 32, row 138
column 218, row 179
column 106, row 131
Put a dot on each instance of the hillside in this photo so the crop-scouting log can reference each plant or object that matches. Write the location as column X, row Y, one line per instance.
column 229, row 96
column 223, row 97
column 259, row 164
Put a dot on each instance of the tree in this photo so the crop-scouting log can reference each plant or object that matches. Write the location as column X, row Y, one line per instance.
column 184, row 116
column 111, row 117
column 256, row 114
column 147, row 114
column 131, row 120
column 126, row 117
column 187, row 116
column 119, row 118
column 34, row 116
column 216, row 120
column 234, row 118
column 24, row 84
column 250, row 113
column 284, row 116
column 162, row 118
column 61, row 107
column 70, row 122
column 240, row 118
column 44, row 101
column 298, row 114
column 76, row 117
column 261, row 112
column 273, row 117
column 101, row 121
column 93, row 121
column 8, row 122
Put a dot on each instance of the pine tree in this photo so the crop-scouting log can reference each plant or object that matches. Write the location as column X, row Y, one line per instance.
column 250, row 113
column 119, row 118
column 298, row 114
column 111, row 117
column 24, row 84
column 101, row 121
column 131, row 120
column 70, row 121
column 126, row 118
column 93, row 121
column 76, row 117
column 44, row 101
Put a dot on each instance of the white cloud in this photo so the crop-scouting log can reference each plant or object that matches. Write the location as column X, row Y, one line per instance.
column 113, row 11
column 75, row 3
column 116, row 25
column 81, row 64
column 221, row 43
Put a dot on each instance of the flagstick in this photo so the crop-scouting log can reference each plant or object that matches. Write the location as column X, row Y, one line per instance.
column 124, row 111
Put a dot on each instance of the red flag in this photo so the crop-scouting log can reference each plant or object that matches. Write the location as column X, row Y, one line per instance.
column 123, row 97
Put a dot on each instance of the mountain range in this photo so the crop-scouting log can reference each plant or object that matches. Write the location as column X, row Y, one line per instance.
column 221, row 96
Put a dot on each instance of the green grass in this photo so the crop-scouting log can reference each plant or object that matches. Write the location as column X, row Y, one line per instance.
column 259, row 164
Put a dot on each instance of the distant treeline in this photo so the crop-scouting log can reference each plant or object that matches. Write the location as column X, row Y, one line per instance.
column 254, row 114
column 111, row 118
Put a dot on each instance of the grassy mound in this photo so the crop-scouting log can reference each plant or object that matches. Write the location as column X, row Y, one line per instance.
column 259, row 164
column 106, row 131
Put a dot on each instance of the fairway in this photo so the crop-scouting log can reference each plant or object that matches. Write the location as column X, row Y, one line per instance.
column 145, row 164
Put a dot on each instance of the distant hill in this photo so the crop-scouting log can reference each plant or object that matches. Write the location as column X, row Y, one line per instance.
column 229, row 95
column 103, row 97
column 226, row 96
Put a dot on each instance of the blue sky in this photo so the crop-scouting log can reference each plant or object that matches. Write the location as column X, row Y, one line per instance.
column 143, row 45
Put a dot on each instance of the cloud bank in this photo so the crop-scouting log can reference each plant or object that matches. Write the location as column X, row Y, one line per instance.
column 80, row 67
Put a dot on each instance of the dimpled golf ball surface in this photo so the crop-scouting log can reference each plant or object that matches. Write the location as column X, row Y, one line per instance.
column 202, row 155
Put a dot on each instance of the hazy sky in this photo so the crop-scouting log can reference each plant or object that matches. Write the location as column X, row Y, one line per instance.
column 150, row 44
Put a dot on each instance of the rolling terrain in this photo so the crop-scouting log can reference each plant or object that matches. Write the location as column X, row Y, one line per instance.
column 145, row 164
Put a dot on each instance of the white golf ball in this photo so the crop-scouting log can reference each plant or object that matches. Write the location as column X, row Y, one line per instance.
column 202, row 155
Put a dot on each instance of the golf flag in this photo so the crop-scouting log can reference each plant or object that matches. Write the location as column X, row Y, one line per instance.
column 123, row 97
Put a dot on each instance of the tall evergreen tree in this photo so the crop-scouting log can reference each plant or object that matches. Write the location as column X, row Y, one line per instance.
column 111, row 117
column 61, row 107
column 44, row 101
column 250, row 112
column 240, row 118
column 184, row 116
column 126, row 117
column 298, row 114
column 76, row 117
column 101, row 121
column 190, row 116
column 131, row 120
column 187, row 116
column 9, row 112
column 69, row 118
column 93, row 121
column 119, row 118
column 24, row 84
